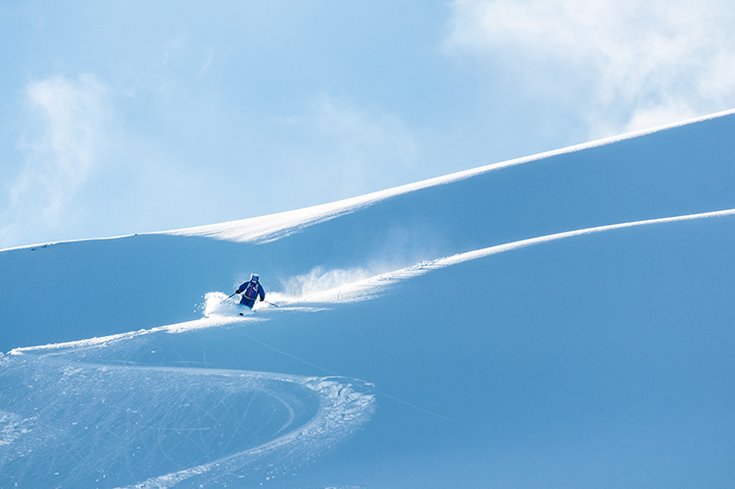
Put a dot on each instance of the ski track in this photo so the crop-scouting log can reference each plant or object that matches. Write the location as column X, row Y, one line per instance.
column 295, row 437
column 342, row 410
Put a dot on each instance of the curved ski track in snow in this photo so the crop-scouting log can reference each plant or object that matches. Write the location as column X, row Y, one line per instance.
column 343, row 409
column 279, row 421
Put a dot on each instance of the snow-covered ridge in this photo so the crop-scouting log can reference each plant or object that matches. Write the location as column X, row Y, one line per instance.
column 370, row 287
column 273, row 226
column 268, row 227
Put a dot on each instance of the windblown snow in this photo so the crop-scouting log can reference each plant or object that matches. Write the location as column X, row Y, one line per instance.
column 560, row 320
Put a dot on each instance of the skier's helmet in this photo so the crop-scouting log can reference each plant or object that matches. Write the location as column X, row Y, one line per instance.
column 254, row 277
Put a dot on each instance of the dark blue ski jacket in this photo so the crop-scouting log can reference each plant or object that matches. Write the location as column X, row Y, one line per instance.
column 250, row 292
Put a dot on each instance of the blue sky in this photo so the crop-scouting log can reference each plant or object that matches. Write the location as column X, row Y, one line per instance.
column 121, row 117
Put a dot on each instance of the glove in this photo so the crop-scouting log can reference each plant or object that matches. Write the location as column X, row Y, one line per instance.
column 236, row 292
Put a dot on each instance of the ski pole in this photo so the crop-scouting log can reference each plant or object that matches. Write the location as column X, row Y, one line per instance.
column 232, row 294
column 272, row 304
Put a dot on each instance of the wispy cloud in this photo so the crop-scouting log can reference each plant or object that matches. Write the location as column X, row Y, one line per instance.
column 627, row 65
column 352, row 146
column 61, row 146
column 368, row 144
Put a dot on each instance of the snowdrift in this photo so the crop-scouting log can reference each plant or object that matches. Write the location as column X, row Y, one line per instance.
column 563, row 320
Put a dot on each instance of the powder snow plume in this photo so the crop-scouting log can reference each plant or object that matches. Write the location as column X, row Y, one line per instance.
column 317, row 281
column 218, row 304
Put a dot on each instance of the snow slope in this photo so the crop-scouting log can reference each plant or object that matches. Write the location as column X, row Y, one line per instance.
column 563, row 320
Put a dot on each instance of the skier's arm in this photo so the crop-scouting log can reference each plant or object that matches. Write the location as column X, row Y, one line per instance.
column 240, row 289
column 261, row 292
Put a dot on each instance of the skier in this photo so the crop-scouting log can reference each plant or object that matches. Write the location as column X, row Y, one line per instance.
column 251, row 291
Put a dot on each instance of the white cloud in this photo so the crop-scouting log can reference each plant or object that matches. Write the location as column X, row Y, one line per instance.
column 630, row 64
column 66, row 131
column 363, row 145
column 336, row 148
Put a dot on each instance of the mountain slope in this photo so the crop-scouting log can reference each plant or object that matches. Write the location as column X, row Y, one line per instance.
column 423, row 341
